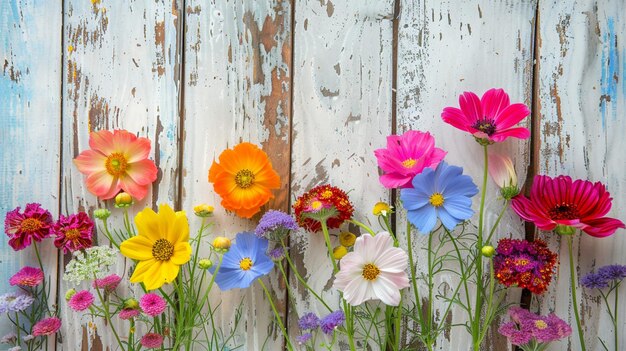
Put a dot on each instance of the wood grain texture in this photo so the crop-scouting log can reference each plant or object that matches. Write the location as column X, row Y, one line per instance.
column 342, row 112
column 445, row 49
column 30, row 118
column 121, row 71
column 237, row 88
column 582, row 90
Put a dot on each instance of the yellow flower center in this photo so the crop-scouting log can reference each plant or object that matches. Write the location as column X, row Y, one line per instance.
column 327, row 194
column 244, row 178
column 316, row 205
column 245, row 264
column 72, row 234
column 436, row 199
column 539, row 324
column 409, row 163
column 116, row 164
column 30, row 225
column 370, row 271
column 162, row 250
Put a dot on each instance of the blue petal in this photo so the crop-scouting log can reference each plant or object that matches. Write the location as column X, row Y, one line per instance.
column 459, row 207
column 262, row 267
column 446, row 175
column 448, row 220
column 462, row 185
column 413, row 199
column 228, row 279
column 425, row 181
column 424, row 219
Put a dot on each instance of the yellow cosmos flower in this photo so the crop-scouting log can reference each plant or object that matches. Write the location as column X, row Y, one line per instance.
column 161, row 246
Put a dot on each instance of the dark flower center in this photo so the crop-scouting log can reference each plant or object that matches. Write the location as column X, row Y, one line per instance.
column 244, row 178
column 487, row 126
column 72, row 234
column 30, row 225
column 162, row 250
column 563, row 211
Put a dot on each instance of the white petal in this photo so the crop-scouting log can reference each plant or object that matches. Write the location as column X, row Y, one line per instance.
column 386, row 291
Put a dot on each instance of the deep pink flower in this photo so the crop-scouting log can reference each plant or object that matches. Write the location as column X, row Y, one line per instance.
column 22, row 228
column 128, row 313
column 47, row 326
column 152, row 340
column 152, row 304
column 73, row 233
column 560, row 201
column 117, row 161
column 81, row 300
column 108, row 283
column 491, row 117
column 405, row 156
column 27, row 276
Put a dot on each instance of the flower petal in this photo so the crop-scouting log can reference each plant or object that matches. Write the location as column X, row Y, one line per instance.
column 182, row 253
column 493, row 102
column 137, row 248
column 471, row 107
column 103, row 185
column 143, row 172
column 102, row 141
column 90, row 161
column 511, row 116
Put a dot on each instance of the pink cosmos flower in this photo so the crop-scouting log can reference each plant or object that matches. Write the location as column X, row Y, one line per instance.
column 152, row 304
column 128, row 313
column 81, row 300
column 405, row 156
column 22, row 228
column 27, row 276
column 108, row 283
column 152, row 340
column 73, row 232
column 374, row 270
column 47, row 326
column 560, row 201
column 490, row 118
column 502, row 171
column 117, row 161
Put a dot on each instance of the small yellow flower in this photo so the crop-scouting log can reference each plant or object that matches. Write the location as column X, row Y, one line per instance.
column 381, row 209
column 123, row 200
column 203, row 210
column 339, row 252
column 221, row 243
column 347, row 239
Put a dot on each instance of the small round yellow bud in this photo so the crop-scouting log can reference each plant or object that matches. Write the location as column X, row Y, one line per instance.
column 205, row 263
column 488, row 251
column 221, row 243
column 339, row 252
column 381, row 209
column 203, row 210
column 123, row 200
column 131, row 303
column 347, row 239
column 69, row 294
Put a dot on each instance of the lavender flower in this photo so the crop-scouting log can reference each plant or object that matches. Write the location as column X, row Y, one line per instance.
column 275, row 225
column 277, row 254
column 309, row 321
column 612, row 272
column 10, row 338
column 15, row 302
column 529, row 330
column 332, row 321
column 593, row 281
column 302, row 339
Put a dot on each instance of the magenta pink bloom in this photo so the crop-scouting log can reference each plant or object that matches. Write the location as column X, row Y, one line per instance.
column 405, row 156
column 73, row 233
column 47, row 326
column 128, row 313
column 108, row 283
column 117, row 161
column 152, row 304
column 23, row 228
column 152, row 340
column 81, row 300
column 526, row 327
column 491, row 117
column 560, row 201
column 27, row 276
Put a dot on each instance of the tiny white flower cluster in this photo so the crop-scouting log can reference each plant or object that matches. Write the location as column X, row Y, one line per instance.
column 91, row 264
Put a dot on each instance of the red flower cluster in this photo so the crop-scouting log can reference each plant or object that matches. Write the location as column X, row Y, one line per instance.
column 525, row 264
column 323, row 198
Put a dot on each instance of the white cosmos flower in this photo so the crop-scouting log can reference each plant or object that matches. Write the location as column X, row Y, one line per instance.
column 374, row 270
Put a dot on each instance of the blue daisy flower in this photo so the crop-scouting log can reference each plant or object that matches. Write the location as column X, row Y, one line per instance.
column 443, row 193
column 243, row 263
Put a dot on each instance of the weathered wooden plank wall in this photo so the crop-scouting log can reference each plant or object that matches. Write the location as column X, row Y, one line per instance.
column 318, row 84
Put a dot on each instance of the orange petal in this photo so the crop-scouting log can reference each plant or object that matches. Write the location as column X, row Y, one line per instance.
column 103, row 185
column 215, row 171
column 143, row 172
column 135, row 190
column 90, row 161
column 137, row 150
column 102, row 141
column 268, row 178
column 122, row 139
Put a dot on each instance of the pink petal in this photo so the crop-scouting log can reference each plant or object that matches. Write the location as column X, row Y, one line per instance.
column 470, row 105
column 520, row 133
column 135, row 190
column 493, row 102
column 457, row 118
column 143, row 172
column 122, row 139
column 511, row 116
column 102, row 141
column 386, row 291
column 138, row 150
column 90, row 161
column 603, row 227
column 103, row 185
column 395, row 180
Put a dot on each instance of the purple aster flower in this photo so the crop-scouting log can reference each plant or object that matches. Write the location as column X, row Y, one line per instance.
column 302, row 339
column 275, row 225
column 277, row 254
column 612, row 272
column 332, row 321
column 594, row 281
column 309, row 321
column 15, row 302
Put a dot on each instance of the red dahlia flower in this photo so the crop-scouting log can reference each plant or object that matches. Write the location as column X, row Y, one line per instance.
column 73, row 232
column 560, row 201
column 23, row 228
column 327, row 199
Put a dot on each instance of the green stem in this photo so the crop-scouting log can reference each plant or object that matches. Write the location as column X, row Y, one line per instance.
column 495, row 225
column 489, row 301
column 329, row 247
column 418, row 305
column 278, row 318
column 44, row 290
column 131, row 334
column 107, row 317
column 479, row 263
column 367, row 229
column 429, row 314
column 398, row 324
column 573, row 283
column 615, row 330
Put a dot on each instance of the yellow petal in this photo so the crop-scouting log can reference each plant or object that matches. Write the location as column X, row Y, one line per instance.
column 154, row 277
column 169, row 272
column 179, row 230
column 141, row 269
column 182, row 253
column 137, row 248
column 167, row 217
column 147, row 222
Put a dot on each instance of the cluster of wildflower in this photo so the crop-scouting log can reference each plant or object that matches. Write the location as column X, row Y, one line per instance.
column 527, row 329
column 275, row 225
column 605, row 276
column 324, row 202
column 90, row 264
column 525, row 264
column 310, row 323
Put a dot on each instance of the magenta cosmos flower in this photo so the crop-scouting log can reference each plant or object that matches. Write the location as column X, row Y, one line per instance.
column 73, row 232
column 490, row 118
column 23, row 228
column 47, row 326
column 374, row 270
column 560, row 201
column 405, row 156
column 117, row 161
column 27, row 276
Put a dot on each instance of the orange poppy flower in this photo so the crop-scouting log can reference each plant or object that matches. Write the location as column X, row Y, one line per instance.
column 243, row 178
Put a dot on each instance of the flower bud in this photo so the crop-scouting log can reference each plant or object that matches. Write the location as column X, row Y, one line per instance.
column 503, row 174
column 488, row 251
column 347, row 239
column 69, row 294
column 381, row 209
column 131, row 303
column 339, row 252
column 123, row 200
column 203, row 210
column 205, row 263
column 102, row 213
column 221, row 243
